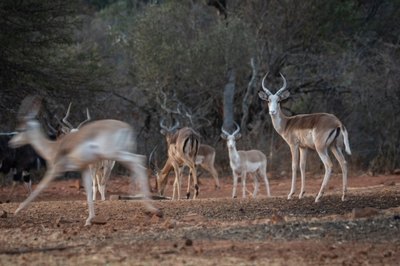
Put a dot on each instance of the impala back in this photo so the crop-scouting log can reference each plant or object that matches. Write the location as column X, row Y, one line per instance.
column 96, row 140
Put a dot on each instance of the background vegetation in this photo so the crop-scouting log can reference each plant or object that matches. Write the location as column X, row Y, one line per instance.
column 139, row 60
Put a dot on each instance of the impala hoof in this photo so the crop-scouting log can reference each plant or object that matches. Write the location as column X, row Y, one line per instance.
column 301, row 194
column 318, row 198
column 17, row 211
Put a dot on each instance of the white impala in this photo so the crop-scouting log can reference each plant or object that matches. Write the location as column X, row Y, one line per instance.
column 252, row 162
column 98, row 140
column 318, row 131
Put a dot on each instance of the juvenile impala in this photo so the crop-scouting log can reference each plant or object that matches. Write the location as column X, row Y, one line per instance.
column 318, row 131
column 252, row 162
column 98, row 140
column 183, row 145
column 206, row 159
column 100, row 170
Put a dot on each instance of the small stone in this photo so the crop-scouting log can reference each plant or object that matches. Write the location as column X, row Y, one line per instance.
column 189, row 242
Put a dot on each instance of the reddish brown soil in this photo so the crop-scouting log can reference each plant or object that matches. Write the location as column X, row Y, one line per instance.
column 212, row 230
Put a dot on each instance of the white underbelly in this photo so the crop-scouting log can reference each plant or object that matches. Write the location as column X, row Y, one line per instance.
column 252, row 167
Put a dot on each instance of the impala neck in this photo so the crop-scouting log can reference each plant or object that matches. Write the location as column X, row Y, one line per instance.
column 234, row 157
column 42, row 145
column 279, row 120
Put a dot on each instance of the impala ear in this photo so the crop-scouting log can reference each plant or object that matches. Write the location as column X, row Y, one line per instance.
column 284, row 95
column 263, row 96
column 238, row 136
column 163, row 131
column 223, row 136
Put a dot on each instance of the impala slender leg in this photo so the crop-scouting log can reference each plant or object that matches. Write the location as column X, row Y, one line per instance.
column 196, row 186
column 48, row 177
column 244, row 177
column 235, row 182
column 102, row 190
column 295, row 161
column 94, row 188
column 188, row 185
column 140, row 171
column 337, row 152
column 101, row 181
column 303, row 160
column 215, row 176
column 177, row 185
column 263, row 173
column 323, row 154
column 28, row 186
column 108, row 166
column 93, row 175
column 256, row 185
column 87, row 182
column 26, row 178
column 135, row 163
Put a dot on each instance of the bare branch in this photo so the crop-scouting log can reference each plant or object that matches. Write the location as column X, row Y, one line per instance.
column 248, row 95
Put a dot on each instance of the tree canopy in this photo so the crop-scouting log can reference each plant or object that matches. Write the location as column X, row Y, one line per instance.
column 141, row 60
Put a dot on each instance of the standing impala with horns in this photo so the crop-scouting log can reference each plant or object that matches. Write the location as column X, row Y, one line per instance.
column 101, row 170
column 183, row 145
column 252, row 162
column 98, row 140
column 318, row 131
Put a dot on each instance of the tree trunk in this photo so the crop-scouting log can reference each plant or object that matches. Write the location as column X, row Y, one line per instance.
column 248, row 97
column 229, row 94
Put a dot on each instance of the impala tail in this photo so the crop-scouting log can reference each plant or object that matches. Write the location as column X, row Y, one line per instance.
column 346, row 140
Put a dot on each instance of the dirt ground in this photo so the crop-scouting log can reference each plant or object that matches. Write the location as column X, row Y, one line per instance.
column 211, row 230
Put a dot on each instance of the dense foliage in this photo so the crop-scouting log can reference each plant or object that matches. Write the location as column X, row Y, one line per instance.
column 141, row 60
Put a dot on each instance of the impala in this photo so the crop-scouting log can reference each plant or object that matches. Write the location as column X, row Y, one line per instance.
column 318, row 131
column 183, row 145
column 98, row 140
column 205, row 159
column 252, row 162
column 101, row 170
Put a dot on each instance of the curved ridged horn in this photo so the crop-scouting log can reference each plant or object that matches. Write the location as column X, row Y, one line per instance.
column 263, row 86
column 283, row 86
column 87, row 119
column 234, row 133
